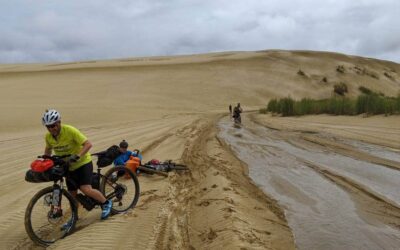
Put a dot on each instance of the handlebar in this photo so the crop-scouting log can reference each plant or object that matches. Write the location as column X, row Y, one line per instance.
column 53, row 157
column 61, row 165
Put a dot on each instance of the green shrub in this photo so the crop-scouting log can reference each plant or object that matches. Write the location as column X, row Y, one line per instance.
column 372, row 104
column 273, row 106
column 397, row 104
column 365, row 90
column 369, row 102
column 340, row 89
column 388, row 75
column 340, row 69
column 300, row 72
column 338, row 106
column 375, row 104
column 305, row 106
column 287, row 106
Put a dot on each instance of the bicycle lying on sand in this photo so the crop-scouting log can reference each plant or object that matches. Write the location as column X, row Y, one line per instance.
column 157, row 167
column 52, row 212
column 161, row 168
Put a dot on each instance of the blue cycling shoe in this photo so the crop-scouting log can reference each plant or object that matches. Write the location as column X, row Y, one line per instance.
column 106, row 209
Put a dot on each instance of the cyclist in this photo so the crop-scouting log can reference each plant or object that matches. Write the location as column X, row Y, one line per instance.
column 64, row 139
column 125, row 154
column 236, row 113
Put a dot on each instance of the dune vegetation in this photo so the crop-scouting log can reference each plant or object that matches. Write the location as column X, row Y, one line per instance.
column 368, row 102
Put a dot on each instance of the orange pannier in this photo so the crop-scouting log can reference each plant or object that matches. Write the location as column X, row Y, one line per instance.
column 133, row 163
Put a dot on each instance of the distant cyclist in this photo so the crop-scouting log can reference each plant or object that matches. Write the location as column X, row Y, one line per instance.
column 64, row 139
column 236, row 113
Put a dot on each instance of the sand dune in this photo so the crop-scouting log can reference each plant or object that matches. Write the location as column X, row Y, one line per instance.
column 104, row 92
column 169, row 107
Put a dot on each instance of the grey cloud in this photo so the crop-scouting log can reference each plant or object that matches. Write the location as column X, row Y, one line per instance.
column 39, row 31
column 247, row 26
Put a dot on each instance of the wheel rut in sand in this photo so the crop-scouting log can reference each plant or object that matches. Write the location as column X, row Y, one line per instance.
column 226, row 209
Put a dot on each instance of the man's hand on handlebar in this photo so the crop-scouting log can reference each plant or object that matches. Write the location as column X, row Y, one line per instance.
column 74, row 158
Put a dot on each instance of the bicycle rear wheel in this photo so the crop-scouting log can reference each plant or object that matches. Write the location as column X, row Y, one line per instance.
column 122, row 186
column 42, row 226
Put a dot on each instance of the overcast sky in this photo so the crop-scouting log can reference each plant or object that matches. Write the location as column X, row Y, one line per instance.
column 71, row 30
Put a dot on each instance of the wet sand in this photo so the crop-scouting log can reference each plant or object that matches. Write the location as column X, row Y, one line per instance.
column 319, row 187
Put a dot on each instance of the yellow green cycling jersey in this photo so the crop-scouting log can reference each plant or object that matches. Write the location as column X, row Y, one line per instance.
column 68, row 142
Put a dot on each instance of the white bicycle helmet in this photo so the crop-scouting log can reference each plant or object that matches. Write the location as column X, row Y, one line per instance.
column 50, row 117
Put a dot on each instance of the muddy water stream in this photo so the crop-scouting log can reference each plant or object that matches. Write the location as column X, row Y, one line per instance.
column 382, row 152
column 321, row 214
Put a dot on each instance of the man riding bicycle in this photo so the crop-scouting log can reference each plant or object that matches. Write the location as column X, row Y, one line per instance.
column 236, row 113
column 65, row 139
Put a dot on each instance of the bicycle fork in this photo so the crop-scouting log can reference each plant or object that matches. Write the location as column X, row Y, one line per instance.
column 55, row 208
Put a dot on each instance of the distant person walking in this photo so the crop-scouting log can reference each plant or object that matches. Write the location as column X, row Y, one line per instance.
column 230, row 109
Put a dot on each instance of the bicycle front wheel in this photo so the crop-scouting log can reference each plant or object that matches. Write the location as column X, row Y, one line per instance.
column 122, row 186
column 42, row 225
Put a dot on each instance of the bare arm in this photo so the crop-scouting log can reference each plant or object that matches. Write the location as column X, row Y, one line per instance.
column 86, row 146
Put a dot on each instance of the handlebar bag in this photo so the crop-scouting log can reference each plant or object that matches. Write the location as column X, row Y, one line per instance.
column 44, row 171
column 41, row 165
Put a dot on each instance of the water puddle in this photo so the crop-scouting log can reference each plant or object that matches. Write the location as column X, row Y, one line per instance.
column 321, row 214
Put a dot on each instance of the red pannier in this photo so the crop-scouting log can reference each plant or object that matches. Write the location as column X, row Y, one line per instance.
column 41, row 165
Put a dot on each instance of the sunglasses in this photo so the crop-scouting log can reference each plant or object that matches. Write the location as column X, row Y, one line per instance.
column 51, row 126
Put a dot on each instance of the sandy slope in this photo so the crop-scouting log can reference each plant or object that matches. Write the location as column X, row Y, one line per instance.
column 106, row 91
column 168, row 106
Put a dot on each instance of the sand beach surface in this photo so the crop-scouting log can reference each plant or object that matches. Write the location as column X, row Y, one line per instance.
column 170, row 107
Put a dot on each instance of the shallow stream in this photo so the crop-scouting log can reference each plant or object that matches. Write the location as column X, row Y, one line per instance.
column 321, row 214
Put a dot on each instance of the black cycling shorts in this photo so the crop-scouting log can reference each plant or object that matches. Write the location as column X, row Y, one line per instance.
column 81, row 176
